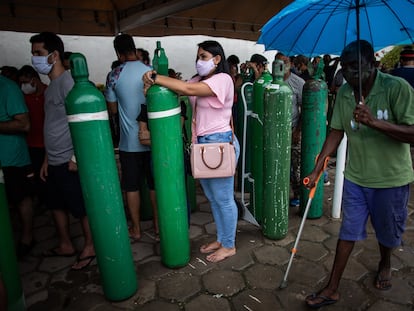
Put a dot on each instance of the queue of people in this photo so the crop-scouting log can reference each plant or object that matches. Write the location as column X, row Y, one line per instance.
column 40, row 152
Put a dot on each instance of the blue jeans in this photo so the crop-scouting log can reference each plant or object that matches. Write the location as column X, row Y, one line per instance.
column 220, row 193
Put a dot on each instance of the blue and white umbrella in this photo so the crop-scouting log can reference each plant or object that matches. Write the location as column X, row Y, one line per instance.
column 316, row 27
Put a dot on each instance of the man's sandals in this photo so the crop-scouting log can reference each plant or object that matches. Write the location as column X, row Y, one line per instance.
column 323, row 300
column 382, row 283
column 87, row 260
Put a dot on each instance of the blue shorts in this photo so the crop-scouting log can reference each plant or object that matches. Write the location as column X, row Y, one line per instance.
column 386, row 207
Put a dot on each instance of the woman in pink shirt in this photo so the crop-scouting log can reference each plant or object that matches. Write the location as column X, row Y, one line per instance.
column 211, row 95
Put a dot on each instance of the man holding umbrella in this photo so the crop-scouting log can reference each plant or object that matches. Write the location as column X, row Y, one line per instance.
column 379, row 168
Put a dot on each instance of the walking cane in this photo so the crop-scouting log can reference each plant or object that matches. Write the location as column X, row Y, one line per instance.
column 305, row 214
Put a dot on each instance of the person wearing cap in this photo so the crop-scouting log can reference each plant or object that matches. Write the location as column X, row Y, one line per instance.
column 257, row 63
column 379, row 168
column 406, row 70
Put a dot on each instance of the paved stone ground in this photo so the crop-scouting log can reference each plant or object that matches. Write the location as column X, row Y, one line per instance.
column 248, row 281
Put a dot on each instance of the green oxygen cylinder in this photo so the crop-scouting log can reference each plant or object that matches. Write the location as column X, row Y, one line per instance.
column 277, row 135
column 164, row 113
column 314, row 103
column 190, row 181
column 244, row 94
column 256, row 142
column 9, row 270
column 160, row 60
column 91, row 136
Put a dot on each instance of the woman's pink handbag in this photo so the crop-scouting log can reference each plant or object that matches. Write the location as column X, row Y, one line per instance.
column 213, row 160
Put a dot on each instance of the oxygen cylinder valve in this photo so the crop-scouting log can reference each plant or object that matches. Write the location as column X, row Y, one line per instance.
column 278, row 69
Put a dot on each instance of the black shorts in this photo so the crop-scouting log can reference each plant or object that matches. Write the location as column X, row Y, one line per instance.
column 63, row 190
column 18, row 182
column 135, row 168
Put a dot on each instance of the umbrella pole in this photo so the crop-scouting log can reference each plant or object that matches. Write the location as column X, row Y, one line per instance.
column 359, row 54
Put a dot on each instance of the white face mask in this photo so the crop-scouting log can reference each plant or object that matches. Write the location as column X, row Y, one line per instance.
column 41, row 64
column 28, row 88
column 204, row 67
column 287, row 68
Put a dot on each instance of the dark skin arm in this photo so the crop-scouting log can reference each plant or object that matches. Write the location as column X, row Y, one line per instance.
column 331, row 144
column 19, row 124
column 402, row 133
column 112, row 107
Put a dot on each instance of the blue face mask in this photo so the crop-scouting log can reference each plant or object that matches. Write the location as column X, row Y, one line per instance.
column 41, row 64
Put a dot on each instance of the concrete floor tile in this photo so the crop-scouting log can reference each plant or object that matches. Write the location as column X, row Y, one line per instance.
column 179, row 286
column 272, row 255
column 223, row 282
column 34, row 282
column 262, row 276
column 257, row 300
column 208, row 302
column 142, row 250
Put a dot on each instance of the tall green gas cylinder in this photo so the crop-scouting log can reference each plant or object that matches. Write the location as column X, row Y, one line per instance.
column 9, row 270
column 91, row 136
column 277, row 135
column 256, row 142
column 167, row 156
column 314, row 103
column 190, row 181
column 244, row 93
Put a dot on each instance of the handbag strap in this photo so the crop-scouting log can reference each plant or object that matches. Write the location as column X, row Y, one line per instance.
column 194, row 117
column 221, row 158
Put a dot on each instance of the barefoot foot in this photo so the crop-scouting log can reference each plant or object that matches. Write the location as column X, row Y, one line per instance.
column 210, row 247
column 221, row 254
column 134, row 235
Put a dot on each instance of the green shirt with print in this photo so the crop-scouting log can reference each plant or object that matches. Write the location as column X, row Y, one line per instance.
column 376, row 160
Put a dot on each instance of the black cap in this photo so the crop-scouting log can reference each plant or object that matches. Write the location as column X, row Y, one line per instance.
column 407, row 54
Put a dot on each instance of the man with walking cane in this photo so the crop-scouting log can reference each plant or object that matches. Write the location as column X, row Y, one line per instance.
column 379, row 169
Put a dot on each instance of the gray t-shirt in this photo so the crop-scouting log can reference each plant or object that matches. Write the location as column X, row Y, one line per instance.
column 58, row 142
column 296, row 83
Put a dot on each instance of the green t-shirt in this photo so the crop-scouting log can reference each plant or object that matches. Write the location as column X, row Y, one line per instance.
column 13, row 147
column 376, row 160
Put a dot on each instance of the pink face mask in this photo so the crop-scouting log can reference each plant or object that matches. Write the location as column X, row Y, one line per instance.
column 204, row 67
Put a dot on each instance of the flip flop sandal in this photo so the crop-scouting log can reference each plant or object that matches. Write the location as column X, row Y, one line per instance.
column 382, row 283
column 325, row 301
column 87, row 259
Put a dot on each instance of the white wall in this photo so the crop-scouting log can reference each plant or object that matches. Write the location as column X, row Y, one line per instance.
column 181, row 51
